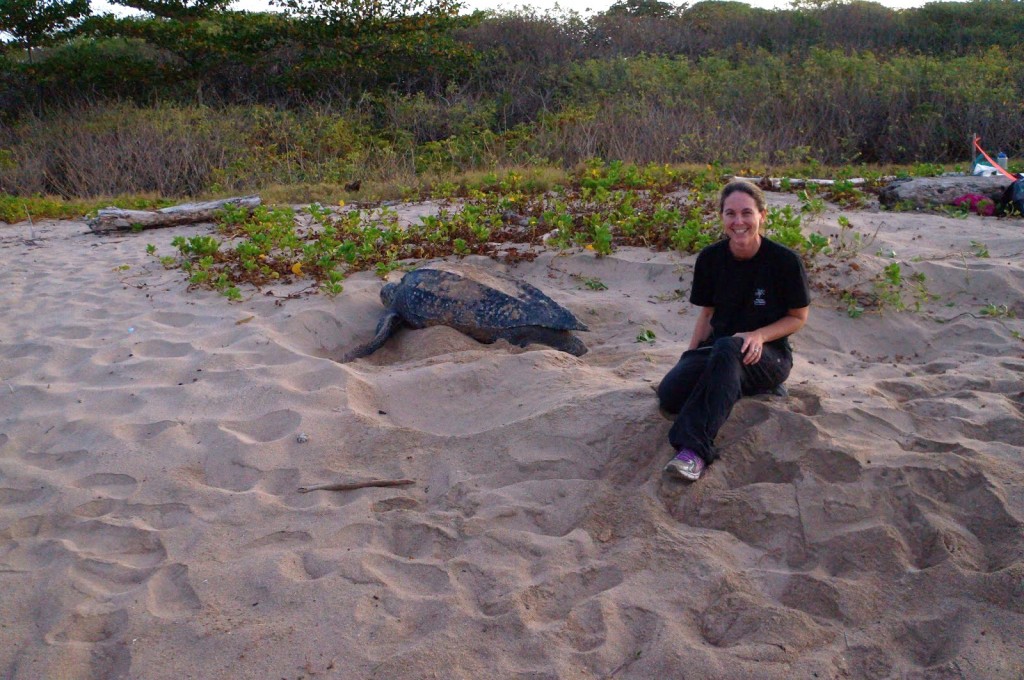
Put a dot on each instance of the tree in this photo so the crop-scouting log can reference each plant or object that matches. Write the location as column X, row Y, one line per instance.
column 181, row 10
column 369, row 44
column 643, row 8
column 34, row 23
column 368, row 12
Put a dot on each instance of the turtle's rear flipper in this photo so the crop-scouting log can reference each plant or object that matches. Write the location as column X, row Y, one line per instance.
column 387, row 325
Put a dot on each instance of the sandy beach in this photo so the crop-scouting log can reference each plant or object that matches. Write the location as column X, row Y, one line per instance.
column 153, row 440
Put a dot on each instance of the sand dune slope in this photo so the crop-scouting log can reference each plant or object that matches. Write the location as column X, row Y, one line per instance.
column 870, row 525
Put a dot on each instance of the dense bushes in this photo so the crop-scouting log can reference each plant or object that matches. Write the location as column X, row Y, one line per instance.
column 833, row 107
column 839, row 108
column 183, row 150
column 210, row 101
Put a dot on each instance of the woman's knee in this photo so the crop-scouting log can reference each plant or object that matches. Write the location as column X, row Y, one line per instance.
column 677, row 385
column 728, row 345
column 669, row 396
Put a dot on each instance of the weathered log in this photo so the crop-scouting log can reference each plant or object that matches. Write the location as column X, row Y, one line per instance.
column 923, row 192
column 775, row 183
column 116, row 219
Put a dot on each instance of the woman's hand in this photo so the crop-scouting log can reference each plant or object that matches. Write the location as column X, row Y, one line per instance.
column 753, row 343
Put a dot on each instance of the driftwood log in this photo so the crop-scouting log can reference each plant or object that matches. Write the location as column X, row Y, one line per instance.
column 116, row 219
column 922, row 192
column 775, row 183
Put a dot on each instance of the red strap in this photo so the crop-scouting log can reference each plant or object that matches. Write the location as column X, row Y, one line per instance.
column 995, row 165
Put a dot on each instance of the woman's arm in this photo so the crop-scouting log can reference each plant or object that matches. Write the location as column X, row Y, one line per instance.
column 787, row 325
column 702, row 329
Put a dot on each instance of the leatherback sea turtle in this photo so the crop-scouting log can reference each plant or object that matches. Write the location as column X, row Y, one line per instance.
column 484, row 305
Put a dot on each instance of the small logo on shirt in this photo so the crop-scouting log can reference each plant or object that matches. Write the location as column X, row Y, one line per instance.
column 759, row 298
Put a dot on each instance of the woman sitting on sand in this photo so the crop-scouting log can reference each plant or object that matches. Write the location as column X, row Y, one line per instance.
column 752, row 294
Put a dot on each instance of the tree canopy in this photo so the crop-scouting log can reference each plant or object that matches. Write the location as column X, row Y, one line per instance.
column 33, row 23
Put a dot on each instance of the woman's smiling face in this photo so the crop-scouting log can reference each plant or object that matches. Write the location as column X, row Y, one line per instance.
column 742, row 222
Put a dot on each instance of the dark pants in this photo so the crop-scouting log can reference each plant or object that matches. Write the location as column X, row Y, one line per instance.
column 703, row 387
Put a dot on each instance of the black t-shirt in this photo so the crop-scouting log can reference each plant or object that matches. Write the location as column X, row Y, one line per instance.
column 749, row 294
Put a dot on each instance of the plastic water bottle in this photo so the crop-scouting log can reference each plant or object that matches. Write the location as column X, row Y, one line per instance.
column 1001, row 159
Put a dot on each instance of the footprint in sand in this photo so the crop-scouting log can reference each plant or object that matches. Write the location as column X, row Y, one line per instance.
column 313, row 333
column 145, row 431
column 94, row 643
column 805, row 401
column 740, row 619
column 939, row 367
column 645, row 628
column 173, row 319
column 96, row 508
column 958, row 515
column 109, row 484
column 55, row 461
column 396, row 503
column 279, row 481
column 553, row 599
column 1012, row 366
column 89, row 628
column 931, row 641
column 832, row 465
column 415, row 579
column 1006, row 429
column 169, row 594
column 281, row 540
column 308, row 566
column 97, row 312
column 813, row 596
column 404, row 536
column 878, row 550
column 88, row 539
column 749, row 465
column 68, row 332
column 162, row 349
column 869, row 662
column 921, row 444
column 586, row 627
column 106, row 579
column 159, row 516
column 270, row 427
column 765, row 516
column 20, row 496
column 27, row 349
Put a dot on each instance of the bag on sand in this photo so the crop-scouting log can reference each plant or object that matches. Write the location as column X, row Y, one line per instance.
column 1012, row 200
column 982, row 168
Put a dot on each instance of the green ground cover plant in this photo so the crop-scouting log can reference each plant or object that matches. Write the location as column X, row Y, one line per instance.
column 601, row 207
column 21, row 208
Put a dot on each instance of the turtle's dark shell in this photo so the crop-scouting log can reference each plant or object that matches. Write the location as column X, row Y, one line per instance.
column 483, row 304
column 473, row 300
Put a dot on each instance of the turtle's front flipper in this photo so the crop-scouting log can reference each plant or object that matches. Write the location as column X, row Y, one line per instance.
column 559, row 339
column 388, row 324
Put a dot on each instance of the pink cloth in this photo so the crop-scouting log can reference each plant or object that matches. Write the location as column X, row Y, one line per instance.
column 982, row 205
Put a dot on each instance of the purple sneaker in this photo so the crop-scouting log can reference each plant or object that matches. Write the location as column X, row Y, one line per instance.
column 686, row 465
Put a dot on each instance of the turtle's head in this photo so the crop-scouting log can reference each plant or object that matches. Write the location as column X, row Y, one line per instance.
column 387, row 294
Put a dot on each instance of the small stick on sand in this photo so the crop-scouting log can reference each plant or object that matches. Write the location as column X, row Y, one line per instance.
column 356, row 485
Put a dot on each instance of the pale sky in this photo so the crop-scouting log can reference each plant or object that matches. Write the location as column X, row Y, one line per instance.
column 587, row 7
column 584, row 7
